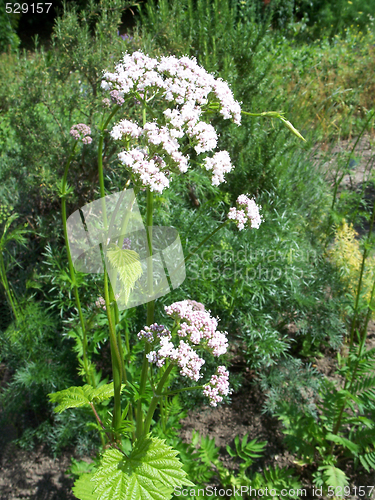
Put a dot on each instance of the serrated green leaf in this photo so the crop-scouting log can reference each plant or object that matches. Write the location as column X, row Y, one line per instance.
column 151, row 464
column 344, row 442
column 75, row 397
column 333, row 476
column 83, row 488
column 127, row 264
column 102, row 393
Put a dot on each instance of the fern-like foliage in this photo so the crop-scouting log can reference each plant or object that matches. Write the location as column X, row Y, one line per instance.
column 246, row 451
column 345, row 426
column 75, row 397
column 333, row 476
column 278, row 479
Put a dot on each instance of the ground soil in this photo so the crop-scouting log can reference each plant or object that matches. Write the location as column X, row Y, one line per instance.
column 36, row 475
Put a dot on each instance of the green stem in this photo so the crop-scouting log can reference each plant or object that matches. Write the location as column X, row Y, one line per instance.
column 177, row 391
column 353, row 378
column 151, row 303
column 115, row 351
column 89, row 378
column 276, row 114
column 369, row 311
column 116, row 358
column 150, row 310
column 12, row 300
column 206, row 239
column 155, row 400
column 195, row 251
column 364, row 257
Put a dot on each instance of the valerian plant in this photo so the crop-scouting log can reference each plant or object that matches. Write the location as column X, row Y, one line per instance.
column 166, row 106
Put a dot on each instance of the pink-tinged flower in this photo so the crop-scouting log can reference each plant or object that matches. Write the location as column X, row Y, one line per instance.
column 186, row 87
column 219, row 164
column 117, row 97
column 149, row 172
column 81, row 131
column 100, row 303
column 249, row 214
column 205, row 135
column 126, row 245
column 154, row 332
column 218, row 386
column 126, row 128
column 198, row 326
column 196, row 329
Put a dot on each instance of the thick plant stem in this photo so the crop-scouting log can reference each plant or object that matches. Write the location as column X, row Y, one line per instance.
column 151, row 303
column 150, row 310
column 71, row 267
column 115, row 351
column 116, row 359
column 155, row 400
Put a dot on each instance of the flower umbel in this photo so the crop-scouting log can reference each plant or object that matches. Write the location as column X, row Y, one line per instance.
column 195, row 329
column 247, row 212
column 81, row 131
column 218, row 386
column 186, row 91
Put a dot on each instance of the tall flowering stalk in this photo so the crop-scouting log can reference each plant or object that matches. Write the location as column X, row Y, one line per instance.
column 179, row 95
column 170, row 102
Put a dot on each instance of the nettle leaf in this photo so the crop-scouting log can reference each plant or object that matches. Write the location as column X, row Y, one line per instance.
column 127, row 264
column 75, row 397
column 83, row 488
column 151, row 472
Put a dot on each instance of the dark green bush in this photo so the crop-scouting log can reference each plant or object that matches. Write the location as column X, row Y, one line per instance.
column 9, row 40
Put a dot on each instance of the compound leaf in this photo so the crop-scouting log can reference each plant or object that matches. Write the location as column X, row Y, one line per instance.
column 333, row 476
column 75, row 397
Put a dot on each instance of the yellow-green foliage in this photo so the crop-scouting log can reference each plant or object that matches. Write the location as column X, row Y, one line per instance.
column 332, row 81
column 347, row 255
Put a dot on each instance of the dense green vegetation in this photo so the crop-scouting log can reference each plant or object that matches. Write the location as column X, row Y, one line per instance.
column 297, row 287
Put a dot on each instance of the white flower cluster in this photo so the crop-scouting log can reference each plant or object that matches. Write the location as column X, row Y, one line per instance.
column 197, row 328
column 247, row 215
column 187, row 90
